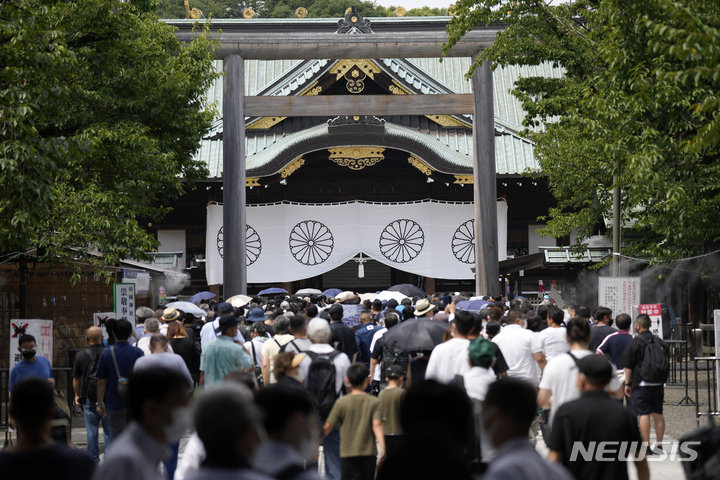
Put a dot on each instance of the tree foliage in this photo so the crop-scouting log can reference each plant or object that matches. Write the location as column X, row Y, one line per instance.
column 102, row 111
column 635, row 91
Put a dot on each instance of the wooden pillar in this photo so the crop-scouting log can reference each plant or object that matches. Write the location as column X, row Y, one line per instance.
column 487, row 268
column 234, row 264
column 429, row 285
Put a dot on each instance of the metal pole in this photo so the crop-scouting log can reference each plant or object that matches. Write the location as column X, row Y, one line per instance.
column 234, row 198
column 616, row 220
column 22, row 290
column 487, row 268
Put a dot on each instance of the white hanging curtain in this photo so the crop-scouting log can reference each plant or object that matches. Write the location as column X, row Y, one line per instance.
column 288, row 242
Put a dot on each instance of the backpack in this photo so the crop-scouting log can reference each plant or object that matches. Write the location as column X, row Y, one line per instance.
column 320, row 382
column 283, row 349
column 655, row 364
column 393, row 356
column 89, row 379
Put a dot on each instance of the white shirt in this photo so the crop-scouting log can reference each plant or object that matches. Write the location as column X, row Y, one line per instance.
column 515, row 342
column 477, row 380
column 144, row 345
column 448, row 359
column 191, row 459
column 207, row 332
column 551, row 341
column 341, row 361
column 560, row 377
column 254, row 348
column 167, row 360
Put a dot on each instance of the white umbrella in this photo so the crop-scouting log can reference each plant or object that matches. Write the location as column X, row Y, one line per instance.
column 187, row 307
column 387, row 295
column 309, row 291
column 368, row 296
column 238, row 301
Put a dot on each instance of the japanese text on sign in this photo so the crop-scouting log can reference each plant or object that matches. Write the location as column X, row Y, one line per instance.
column 125, row 301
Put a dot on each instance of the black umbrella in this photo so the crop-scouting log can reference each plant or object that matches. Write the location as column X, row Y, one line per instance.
column 415, row 335
column 408, row 290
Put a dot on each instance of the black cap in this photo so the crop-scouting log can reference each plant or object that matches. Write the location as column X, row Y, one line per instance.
column 596, row 368
column 394, row 372
column 223, row 308
column 225, row 322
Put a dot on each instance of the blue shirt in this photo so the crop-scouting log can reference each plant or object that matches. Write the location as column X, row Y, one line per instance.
column 363, row 338
column 222, row 356
column 39, row 368
column 126, row 356
column 614, row 345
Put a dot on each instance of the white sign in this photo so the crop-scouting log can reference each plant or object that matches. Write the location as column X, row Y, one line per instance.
column 717, row 353
column 42, row 330
column 99, row 320
column 125, row 301
column 619, row 294
column 288, row 242
column 654, row 311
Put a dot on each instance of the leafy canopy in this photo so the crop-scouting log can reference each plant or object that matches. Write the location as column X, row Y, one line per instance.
column 102, row 110
column 640, row 90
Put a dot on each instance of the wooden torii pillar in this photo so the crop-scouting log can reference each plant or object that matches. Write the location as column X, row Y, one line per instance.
column 237, row 46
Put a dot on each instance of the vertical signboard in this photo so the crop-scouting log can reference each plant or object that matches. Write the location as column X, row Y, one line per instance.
column 654, row 311
column 42, row 330
column 619, row 294
column 124, row 294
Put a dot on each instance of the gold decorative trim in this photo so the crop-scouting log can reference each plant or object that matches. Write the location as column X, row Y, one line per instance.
column 421, row 165
column 397, row 89
column 356, row 158
column 448, row 121
column 368, row 67
column 301, row 12
column 292, row 167
column 267, row 122
column 464, row 179
column 252, row 181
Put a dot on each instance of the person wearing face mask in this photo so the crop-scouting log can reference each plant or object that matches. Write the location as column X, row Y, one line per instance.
column 160, row 358
column 31, row 365
column 290, row 452
column 157, row 402
column 226, row 423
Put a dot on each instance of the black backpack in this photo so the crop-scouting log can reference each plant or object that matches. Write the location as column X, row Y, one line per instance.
column 89, row 380
column 320, row 382
column 655, row 364
column 393, row 356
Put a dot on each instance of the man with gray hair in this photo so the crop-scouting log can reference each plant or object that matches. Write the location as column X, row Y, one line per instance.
column 142, row 314
column 226, row 422
column 320, row 356
column 151, row 327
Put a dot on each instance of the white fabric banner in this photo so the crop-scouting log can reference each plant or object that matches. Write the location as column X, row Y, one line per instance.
column 288, row 242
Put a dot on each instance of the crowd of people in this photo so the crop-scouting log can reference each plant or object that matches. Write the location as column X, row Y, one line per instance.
column 289, row 388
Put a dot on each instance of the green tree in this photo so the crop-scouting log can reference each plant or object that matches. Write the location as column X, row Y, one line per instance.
column 426, row 12
column 612, row 106
column 102, row 111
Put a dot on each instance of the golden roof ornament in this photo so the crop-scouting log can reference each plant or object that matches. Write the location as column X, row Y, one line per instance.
column 400, row 12
column 248, row 13
column 301, row 12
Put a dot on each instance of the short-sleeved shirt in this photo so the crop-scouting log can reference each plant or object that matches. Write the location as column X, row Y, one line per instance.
column 343, row 339
column 355, row 415
column 255, row 347
column 84, row 361
column 560, row 377
column 614, row 346
column 390, row 402
column 57, row 461
column 298, row 345
column 222, row 356
column 552, row 342
column 363, row 338
column 632, row 357
column 448, row 359
column 516, row 345
column 171, row 361
column 598, row 333
column 126, row 356
column 39, row 368
column 579, row 421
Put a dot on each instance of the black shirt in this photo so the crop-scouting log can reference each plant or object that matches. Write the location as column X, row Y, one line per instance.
column 595, row 417
column 185, row 347
column 632, row 357
column 83, row 361
column 57, row 461
column 343, row 339
column 597, row 335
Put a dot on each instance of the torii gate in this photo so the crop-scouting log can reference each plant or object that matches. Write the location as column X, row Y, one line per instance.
column 275, row 39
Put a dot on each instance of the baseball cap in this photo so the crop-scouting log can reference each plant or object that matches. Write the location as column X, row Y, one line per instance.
column 596, row 368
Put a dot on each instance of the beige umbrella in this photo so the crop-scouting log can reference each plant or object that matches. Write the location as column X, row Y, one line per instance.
column 367, row 296
column 238, row 301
